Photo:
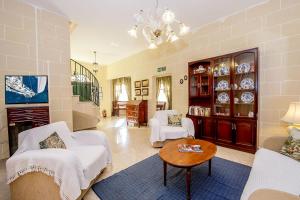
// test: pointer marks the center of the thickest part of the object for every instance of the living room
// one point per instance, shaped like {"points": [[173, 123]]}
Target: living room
{"points": [[222, 75]]}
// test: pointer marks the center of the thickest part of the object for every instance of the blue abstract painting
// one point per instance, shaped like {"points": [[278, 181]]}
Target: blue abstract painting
{"points": [[26, 89]]}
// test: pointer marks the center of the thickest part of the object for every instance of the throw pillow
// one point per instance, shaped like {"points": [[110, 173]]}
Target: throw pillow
{"points": [[291, 148], [174, 120], [53, 141]]}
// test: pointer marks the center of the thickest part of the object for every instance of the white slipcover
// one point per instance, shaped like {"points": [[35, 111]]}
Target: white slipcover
{"points": [[160, 131], [73, 168], [272, 170]]}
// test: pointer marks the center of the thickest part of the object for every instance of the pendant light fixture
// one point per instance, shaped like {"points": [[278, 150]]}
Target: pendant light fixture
{"points": [[95, 64], [158, 26]]}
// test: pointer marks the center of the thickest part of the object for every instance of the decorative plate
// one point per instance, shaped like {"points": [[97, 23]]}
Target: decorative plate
{"points": [[224, 70], [243, 68], [223, 97], [247, 97], [247, 83], [223, 85]]}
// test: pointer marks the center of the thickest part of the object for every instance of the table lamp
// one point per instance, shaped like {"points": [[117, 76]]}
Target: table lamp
{"points": [[292, 116]]}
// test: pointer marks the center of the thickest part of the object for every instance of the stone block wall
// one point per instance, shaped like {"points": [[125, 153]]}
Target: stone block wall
{"points": [[35, 41]]}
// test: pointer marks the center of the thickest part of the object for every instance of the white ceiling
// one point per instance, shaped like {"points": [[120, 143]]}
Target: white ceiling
{"points": [[102, 25]]}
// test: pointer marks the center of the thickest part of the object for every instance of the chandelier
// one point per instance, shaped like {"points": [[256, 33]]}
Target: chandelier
{"points": [[95, 64], [158, 26]]}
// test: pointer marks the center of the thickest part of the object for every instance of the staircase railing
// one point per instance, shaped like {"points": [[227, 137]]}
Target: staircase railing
{"points": [[84, 83]]}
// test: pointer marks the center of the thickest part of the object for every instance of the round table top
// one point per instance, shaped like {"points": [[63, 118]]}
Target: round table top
{"points": [[170, 154]]}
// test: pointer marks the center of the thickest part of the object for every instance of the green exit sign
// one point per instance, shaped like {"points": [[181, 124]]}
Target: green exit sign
{"points": [[161, 69]]}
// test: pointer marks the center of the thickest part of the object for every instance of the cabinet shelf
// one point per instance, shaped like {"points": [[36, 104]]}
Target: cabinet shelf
{"points": [[226, 75], [222, 104], [243, 116], [223, 90], [250, 104], [242, 90], [239, 74]]}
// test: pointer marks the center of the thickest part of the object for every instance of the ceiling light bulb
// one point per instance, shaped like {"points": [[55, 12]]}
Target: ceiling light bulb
{"points": [[168, 17], [184, 29], [133, 32], [174, 38], [152, 46]]}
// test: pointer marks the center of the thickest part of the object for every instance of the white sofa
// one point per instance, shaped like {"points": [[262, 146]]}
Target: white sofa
{"points": [[56, 173], [160, 131], [273, 176]]}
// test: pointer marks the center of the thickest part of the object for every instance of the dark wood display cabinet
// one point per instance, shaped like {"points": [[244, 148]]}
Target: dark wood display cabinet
{"points": [[223, 96]]}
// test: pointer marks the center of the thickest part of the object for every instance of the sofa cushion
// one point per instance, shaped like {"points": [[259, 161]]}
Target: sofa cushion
{"points": [[291, 148], [92, 157], [174, 120], [53, 141], [36, 135], [272, 170], [173, 132], [162, 116]]}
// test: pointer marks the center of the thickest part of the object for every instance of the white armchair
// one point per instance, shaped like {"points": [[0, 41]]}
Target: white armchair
{"points": [[57, 173], [160, 131]]}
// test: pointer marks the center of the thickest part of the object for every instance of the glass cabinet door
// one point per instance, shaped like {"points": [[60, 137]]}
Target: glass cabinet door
{"points": [[204, 85], [194, 85], [221, 86], [244, 85]]}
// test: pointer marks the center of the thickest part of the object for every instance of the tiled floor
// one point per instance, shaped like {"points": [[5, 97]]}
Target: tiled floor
{"points": [[129, 146]]}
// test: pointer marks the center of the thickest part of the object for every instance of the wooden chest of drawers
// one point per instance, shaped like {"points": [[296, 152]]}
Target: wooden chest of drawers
{"points": [[137, 112]]}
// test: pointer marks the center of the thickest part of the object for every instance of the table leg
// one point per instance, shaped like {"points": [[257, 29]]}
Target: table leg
{"points": [[188, 183], [209, 167], [165, 174]]}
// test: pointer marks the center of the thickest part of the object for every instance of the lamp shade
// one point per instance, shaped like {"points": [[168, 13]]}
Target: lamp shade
{"points": [[292, 116]]}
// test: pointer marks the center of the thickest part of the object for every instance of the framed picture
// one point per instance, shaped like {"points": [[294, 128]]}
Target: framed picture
{"points": [[137, 92], [137, 84], [145, 92], [25, 89], [145, 83]]}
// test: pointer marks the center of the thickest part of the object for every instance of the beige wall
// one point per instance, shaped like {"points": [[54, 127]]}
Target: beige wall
{"points": [[274, 27], [34, 41]]}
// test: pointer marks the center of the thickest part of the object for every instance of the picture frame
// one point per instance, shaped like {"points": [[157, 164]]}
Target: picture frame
{"points": [[137, 92], [137, 84], [36, 92], [145, 91], [145, 83]]}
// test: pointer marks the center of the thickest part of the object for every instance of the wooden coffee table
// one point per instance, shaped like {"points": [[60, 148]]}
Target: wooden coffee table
{"points": [[170, 155]]}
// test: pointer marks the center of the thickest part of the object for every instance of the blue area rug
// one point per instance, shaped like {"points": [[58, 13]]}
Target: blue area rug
{"points": [[144, 181]]}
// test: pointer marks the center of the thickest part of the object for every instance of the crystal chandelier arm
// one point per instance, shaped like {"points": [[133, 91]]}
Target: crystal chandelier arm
{"points": [[147, 33]]}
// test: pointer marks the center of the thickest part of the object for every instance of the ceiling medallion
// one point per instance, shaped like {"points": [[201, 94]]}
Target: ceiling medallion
{"points": [[158, 26]]}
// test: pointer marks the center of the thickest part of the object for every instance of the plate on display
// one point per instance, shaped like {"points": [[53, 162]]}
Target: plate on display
{"points": [[243, 68], [247, 97], [247, 83], [223, 97], [224, 70], [223, 85]]}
